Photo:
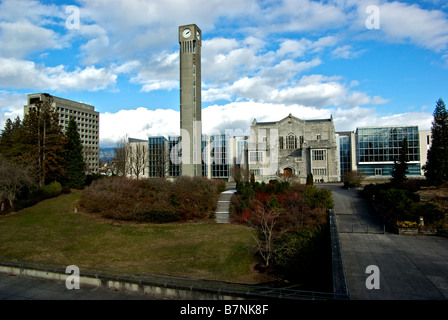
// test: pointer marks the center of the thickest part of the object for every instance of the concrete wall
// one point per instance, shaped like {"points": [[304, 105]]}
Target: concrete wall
{"points": [[140, 287]]}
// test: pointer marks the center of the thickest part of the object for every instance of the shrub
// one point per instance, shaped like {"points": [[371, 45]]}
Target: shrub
{"points": [[152, 200], [402, 204], [52, 190], [303, 256], [352, 179], [318, 198]]}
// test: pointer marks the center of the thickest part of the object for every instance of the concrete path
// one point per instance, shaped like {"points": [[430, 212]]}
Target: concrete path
{"points": [[410, 267], [222, 210]]}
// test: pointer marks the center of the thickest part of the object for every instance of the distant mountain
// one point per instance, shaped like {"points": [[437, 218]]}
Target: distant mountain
{"points": [[106, 154]]}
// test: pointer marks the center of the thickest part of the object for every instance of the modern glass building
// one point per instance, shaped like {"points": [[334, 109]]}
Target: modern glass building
{"points": [[174, 155], [216, 156], [345, 155], [378, 147], [164, 156], [219, 154], [157, 157]]}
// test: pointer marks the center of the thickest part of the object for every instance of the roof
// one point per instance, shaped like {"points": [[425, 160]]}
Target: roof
{"points": [[270, 123]]}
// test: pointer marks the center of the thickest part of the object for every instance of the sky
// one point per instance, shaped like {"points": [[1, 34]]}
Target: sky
{"points": [[366, 62]]}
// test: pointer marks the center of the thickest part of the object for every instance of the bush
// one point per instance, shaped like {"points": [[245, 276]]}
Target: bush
{"points": [[318, 198], [352, 179], [52, 190], [304, 257], [402, 204], [152, 200], [32, 196]]}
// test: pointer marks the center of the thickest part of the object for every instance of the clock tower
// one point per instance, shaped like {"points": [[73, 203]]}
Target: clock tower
{"points": [[190, 99]]}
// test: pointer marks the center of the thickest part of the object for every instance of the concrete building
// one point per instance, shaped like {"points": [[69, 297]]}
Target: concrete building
{"points": [[296, 147], [425, 144], [87, 119], [190, 99], [138, 164]]}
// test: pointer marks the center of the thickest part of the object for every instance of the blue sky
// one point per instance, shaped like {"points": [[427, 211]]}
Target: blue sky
{"points": [[260, 59]]}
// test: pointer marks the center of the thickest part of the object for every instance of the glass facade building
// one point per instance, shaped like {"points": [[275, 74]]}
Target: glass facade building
{"points": [[378, 147], [216, 156], [175, 156], [219, 154], [157, 157], [345, 154]]}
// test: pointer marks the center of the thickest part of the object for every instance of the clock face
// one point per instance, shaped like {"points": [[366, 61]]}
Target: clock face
{"points": [[186, 33], [198, 35]]}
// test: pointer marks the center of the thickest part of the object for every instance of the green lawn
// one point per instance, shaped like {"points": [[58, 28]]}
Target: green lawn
{"points": [[50, 231]]}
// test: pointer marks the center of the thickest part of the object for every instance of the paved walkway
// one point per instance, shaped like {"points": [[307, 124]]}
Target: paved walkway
{"points": [[410, 267]]}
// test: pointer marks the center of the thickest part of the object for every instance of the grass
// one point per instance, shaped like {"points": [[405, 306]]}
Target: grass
{"points": [[50, 231]]}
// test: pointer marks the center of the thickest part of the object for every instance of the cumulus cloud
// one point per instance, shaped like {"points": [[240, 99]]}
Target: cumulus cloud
{"points": [[427, 28], [235, 119], [21, 38], [139, 123], [16, 73]]}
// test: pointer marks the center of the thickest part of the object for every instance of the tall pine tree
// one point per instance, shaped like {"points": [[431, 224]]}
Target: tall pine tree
{"points": [[42, 136], [436, 167], [74, 160]]}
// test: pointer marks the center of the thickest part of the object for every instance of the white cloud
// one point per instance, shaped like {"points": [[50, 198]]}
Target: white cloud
{"points": [[139, 123], [236, 117], [159, 72], [304, 15], [26, 74], [31, 10], [427, 28], [345, 52], [21, 38]]}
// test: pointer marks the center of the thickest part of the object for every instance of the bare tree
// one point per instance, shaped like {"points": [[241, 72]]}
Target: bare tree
{"points": [[287, 177], [120, 156], [12, 179], [240, 174], [137, 160], [264, 220]]}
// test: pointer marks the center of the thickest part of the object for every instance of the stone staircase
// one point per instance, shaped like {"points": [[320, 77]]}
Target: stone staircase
{"points": [[222, 210]]}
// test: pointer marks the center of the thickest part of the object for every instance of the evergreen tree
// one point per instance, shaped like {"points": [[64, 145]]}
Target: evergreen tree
{"points": [[436, 167], [74, 160], [309, 179], [44, 141], [11, 145], [400, 169]]}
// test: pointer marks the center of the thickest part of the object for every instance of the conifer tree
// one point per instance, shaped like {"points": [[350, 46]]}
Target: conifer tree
{"points": [[11, 145], [436, 167], [44, 141], [74, 160]]}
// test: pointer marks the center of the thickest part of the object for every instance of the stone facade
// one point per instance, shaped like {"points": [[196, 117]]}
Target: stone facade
{"points": [[294, 147]]}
